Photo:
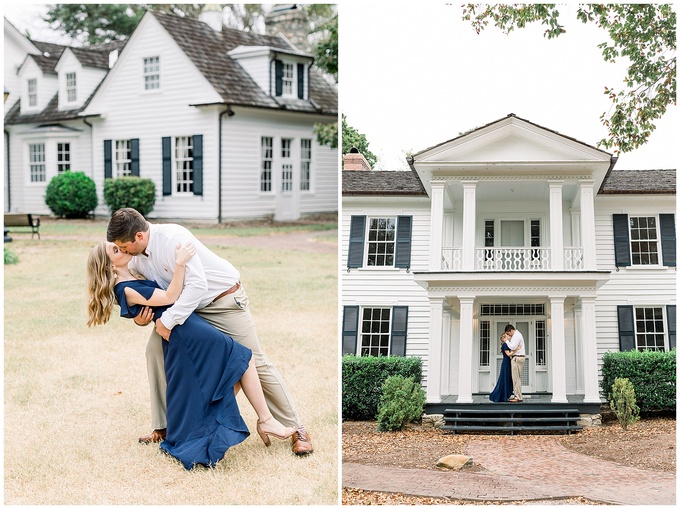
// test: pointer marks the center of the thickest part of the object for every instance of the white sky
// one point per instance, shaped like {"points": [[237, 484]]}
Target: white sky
{"points": [[415, 75]]}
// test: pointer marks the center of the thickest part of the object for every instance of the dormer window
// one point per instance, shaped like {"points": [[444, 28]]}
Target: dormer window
{"points": [[290, 79], [71, 92], [32, 92]]}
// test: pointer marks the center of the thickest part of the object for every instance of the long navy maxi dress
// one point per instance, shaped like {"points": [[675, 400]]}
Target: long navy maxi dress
{"points": [[202, 365], [503, 389]]}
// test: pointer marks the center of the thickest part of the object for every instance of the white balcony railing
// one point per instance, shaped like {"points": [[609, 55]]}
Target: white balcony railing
{"points": [[512, 259]]}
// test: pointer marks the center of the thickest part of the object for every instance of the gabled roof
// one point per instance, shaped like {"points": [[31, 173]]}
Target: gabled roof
{"points": [[384, 183], [51, 113], [639, 182], [208, 50], [51, 53]]}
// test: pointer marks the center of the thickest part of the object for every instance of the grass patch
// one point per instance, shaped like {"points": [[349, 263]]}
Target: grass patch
{"points": [[76, 399]]}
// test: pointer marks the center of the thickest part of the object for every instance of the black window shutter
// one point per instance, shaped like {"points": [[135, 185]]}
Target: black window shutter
{"points": [[198, 164], [399, 326], [670, 316], [301, 81], [402, 255], [621, 240], [626, 328], [350, 329], [355, 256], [167, 166], [134, 156], [108, 163], [278, 77], [667, 223]]}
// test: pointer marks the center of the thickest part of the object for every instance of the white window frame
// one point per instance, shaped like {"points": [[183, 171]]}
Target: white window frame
{"points": [[122, 158], [183, 165], [288, 80], [286, 165], [377, 242], [372, 334], [32, 92], [266, 164], [71, 87], [151, 72], [305, 164], [37, 165], [656, 241], [655, 331], [63, 156]]}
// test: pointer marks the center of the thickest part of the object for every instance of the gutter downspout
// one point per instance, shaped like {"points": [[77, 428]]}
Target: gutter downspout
{"points": [[219, 161], [91, 145], [9, 180]]}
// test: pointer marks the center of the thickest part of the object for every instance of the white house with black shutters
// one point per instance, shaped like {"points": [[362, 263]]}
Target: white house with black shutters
{"points": [[509, 223], [221, 120]]}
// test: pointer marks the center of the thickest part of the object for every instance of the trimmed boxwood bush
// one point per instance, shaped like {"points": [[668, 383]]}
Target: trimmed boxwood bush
{"points": [[401, 402], [71, 194], [133, 192], [362, 380], [652, 374]]}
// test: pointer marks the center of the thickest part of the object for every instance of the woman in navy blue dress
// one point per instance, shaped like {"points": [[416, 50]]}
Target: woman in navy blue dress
{"points": [[204, 367], [503, 389]]}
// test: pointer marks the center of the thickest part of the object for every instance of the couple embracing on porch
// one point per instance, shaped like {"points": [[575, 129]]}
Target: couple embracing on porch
{"points": [[509, 384]]}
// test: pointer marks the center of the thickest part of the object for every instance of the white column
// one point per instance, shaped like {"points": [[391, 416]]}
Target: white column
{"points": [[436, 224], [589, 350], [588, 224], [556, 228], [578, 348], [469, 217], [465, 351], [434, 357], [558, 368]]}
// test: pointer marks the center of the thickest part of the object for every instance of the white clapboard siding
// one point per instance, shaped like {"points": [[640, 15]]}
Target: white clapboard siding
{"points": [[87, 80], [47, 86]]}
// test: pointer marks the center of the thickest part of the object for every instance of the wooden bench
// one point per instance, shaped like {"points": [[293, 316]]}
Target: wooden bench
{"points": [[16, 220]]}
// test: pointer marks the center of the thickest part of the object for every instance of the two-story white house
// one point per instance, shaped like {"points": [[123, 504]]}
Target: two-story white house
{"points": [[221, 120], [509, 223]]}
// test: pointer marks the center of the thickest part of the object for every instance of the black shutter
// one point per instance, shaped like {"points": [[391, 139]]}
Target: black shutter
{"points": [[167, 166], [134, 156], [350, 329], [355, 256], [621, 240], [198, 164], [399, 326], [108, 163], [670, 317], [278, 77], [626, 328], [667, 224], [402, 255], [301, 81]]}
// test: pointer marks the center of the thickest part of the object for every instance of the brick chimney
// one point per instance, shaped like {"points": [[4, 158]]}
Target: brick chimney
{"points": [[211, 15], [292, 22], [355, 161]]}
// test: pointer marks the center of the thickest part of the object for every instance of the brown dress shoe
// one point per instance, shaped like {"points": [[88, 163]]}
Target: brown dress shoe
{"points": [[156, 436], [302, 442]]}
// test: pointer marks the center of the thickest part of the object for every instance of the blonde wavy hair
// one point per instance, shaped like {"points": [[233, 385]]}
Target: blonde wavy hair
{"points": [[100, 283]]}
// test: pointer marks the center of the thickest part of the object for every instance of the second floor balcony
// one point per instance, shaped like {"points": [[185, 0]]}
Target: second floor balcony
{"points": [[507, 259]]}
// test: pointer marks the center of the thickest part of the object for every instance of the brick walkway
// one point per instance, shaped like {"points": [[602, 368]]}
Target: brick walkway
{"points": [[517, 470]]}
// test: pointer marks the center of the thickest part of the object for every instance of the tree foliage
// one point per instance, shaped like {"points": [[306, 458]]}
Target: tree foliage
{"points": [[95, 23], [643, 33], [353, 138]]}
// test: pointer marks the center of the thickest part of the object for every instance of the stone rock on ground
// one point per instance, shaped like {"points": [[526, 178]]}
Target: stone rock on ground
{"points": [[454, 461]]}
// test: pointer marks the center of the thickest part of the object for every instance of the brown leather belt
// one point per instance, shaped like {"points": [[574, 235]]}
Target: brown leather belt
{"points": [[230, 291]]}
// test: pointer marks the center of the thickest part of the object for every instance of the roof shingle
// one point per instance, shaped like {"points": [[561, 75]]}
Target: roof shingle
{"points": [[639, 182], [381, 183]]}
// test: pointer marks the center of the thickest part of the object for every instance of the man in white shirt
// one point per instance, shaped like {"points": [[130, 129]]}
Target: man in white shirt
{"points": [[213, 289], [516, 344]]}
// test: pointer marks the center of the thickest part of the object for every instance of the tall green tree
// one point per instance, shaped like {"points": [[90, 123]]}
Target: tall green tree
{"points": [[353, 138], [644, 33], [95, 23]]}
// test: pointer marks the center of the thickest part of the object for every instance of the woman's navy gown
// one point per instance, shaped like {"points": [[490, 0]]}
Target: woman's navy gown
{"points": [[503, 389], [202, 364]]}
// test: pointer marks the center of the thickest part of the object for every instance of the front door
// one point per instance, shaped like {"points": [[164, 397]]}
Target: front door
{"points": [[288, 192]]}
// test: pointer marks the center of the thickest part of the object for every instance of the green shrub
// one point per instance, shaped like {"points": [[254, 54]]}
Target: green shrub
{"points": [[653, 375], [401, 402], [134, 192], [10, 257], [71, 194], [622, 402], [362, 379]]}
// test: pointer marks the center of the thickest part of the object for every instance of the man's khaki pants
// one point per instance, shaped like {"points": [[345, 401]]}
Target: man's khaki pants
{"points": [[231, 315], [516, 364]]}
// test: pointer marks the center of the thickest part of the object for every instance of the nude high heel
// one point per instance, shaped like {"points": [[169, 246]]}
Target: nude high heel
{"points": [[264, 435]]}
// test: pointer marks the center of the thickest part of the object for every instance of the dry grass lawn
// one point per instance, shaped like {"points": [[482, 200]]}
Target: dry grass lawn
{"points": [[77, 399]]}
